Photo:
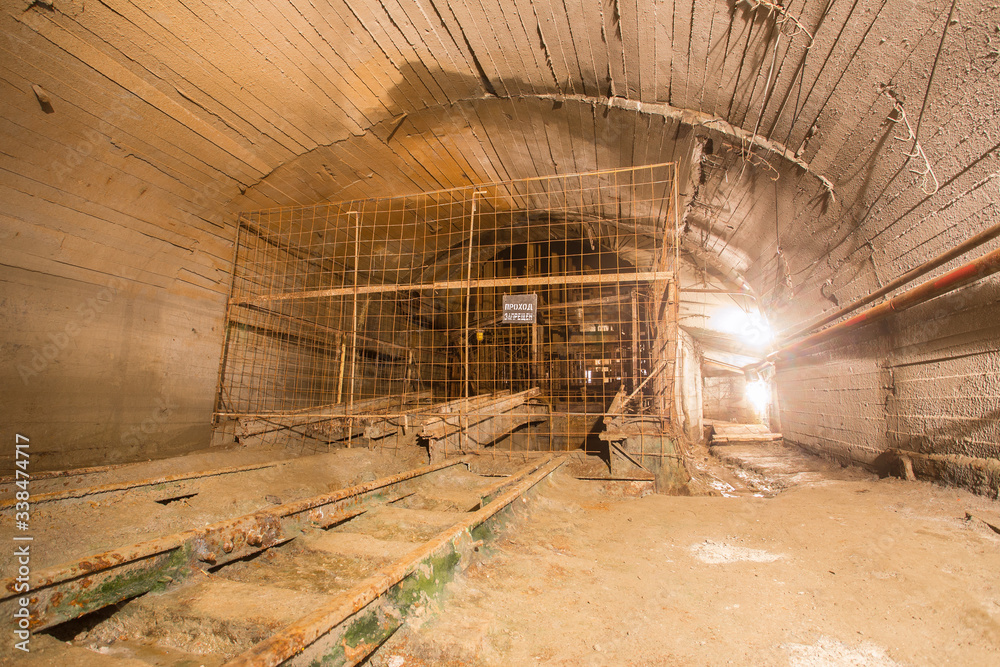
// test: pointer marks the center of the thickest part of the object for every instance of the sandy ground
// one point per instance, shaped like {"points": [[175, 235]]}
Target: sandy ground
{"points": [[790, 561], [799, 563]]}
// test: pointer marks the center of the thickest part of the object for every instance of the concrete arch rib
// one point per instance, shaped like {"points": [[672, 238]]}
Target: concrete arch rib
{"points": [[462, 115]]}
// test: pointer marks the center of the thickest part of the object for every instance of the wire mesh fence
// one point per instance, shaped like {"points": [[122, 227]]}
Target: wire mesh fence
{"points": [[522, 315]]}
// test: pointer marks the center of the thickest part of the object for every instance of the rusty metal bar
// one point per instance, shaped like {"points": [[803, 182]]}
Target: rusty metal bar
{"points": [[595, 279], [908, 277], [122, 486], [387, 425], [985, 266], [373, 407], [490, 492], [440, 430], [67, 591], [74, 472], [300, 635], [439, 426]]}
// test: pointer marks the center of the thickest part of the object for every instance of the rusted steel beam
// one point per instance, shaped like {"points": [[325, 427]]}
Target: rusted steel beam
{"points": [[443, 425], [489, 493], [464, 404], [484, 424], [321, 637], [70, 590], [413, 419], [391, 424], [253, 424], [111, 488], [966, 274], [595, 279], [970, 244]]}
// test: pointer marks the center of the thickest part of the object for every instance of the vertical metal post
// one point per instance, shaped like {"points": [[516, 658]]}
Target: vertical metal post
{"points": [[635, 339], [224, 357], [468, 291], [340, 375], [354, 316]]}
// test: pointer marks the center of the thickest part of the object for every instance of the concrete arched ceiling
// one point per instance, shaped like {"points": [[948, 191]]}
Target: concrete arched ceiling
{"points": [[824, 146], [787, 123], [293, 103]]}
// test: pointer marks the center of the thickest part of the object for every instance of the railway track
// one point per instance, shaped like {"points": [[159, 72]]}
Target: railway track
{"points": [[323, 580]]}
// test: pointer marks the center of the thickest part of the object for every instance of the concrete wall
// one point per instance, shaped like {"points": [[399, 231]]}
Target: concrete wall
{"points": [[924, 382], [114, 270], [725, 399], [688, 384]]}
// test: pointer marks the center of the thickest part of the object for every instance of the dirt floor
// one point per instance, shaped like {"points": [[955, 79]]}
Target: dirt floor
{"points": [[787, 560], [795, 562]]}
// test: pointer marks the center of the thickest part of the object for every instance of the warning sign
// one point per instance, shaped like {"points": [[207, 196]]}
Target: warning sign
{"points": [[519, 308]]}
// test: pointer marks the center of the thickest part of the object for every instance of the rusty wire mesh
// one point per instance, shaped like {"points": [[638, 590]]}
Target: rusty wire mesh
{"points": [[381, 321]]}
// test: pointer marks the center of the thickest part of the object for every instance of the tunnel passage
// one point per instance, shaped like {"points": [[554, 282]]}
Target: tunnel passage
{"points": [[538, 314]]}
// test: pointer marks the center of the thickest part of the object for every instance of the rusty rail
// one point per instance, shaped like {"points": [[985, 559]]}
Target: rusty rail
{"points": [[908, 277], [123, 486], [298, 640], [67, 591]]}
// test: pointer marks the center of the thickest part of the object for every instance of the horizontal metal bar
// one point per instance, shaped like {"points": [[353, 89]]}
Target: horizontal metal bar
{"points": [[110, 488], [374, 407], [908, 277], [977, 269], [586, 279], [482, 186], [299, 321]]}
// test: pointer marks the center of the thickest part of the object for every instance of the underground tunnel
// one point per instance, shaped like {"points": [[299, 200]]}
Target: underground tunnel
{"points": [[410, 332]]}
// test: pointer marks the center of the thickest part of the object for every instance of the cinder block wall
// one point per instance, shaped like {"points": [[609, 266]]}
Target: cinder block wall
{"points": [[924, 382]]}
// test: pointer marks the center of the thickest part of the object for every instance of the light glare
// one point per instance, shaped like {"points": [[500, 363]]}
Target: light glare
{"points": [[759, 395]]}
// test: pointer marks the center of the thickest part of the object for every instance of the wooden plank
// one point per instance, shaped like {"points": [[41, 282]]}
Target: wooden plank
{"points": [[619, 43], [680, 47], [533, 71], [321, 63], [167, 51], [92, 135], [555, 25], [275, 67], [136, 252], [699, 51], [640, 20], [548, 59], [585, 21], [102, 106]]}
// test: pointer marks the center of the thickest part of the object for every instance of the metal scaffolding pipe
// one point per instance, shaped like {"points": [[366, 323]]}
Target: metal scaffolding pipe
{"points": [[909, 276], [984, 266]]}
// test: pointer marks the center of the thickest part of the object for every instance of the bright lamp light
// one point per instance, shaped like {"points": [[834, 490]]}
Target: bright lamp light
{"points": [[759, 395], [751, 328]]}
